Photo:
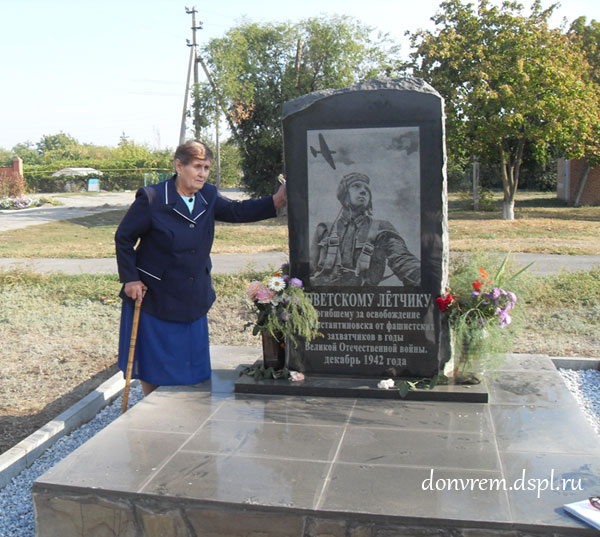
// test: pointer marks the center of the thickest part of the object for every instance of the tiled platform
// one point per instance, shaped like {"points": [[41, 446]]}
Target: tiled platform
{"points": [[202, 461]]}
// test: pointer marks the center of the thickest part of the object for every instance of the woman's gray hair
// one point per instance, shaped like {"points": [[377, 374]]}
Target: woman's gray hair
{"points": [[192, 149]]}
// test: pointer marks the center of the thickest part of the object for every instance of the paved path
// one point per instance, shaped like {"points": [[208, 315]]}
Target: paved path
{"points": [[75, 205], [544, 264]]}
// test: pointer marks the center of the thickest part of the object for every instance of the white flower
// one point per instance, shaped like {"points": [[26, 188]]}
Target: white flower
{"points": [[277, 283], [296, 376], [386, 384]]}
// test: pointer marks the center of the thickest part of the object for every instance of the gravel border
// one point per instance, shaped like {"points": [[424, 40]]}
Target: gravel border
{"points": [[16, 505], [584, 384]]}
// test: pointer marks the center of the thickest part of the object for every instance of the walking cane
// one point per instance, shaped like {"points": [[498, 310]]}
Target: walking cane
{"points": [[134, 329]]}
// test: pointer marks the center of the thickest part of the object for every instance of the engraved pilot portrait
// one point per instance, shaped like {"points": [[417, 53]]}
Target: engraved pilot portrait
{"points": [[364, 207]]}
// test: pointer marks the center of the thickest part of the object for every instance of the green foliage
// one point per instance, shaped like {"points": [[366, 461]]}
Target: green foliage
{"points": [[283, 309], [231, 161], [59, 145], [508, 81], [541, 177], [486, 199], [6, 157], [404, 387], [484, 325], [568, 290], [41, 179], [258, 371], [231, 165], [458, 175], [258, 67], [122, 168], [27, 152], [587, 37]]}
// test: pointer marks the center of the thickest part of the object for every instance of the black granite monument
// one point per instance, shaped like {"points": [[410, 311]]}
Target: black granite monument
{"points": [[367, 219]]}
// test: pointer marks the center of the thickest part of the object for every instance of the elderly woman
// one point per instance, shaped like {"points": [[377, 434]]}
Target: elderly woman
{"points": [[169, 269]]}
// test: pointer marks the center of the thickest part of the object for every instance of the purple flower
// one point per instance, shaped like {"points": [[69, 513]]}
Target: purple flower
{"points": [[512, 297], [295, 282], [474, 294], [496, 293], [284, 315], [504, 317]]}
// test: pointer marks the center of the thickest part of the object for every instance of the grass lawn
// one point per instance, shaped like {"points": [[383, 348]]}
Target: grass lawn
{"points": [[542, 224], [92, 236]]}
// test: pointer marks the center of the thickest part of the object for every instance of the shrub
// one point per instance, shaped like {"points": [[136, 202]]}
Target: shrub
{"points": [[457, 177], [486, 199], [111, 180], [11, 185], [544, 181]]}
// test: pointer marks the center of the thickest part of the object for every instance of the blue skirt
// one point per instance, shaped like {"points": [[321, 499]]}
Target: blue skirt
{"points": [[166, 353]]}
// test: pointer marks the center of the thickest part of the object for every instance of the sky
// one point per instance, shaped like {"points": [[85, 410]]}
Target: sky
{"points": [[98, 69]]}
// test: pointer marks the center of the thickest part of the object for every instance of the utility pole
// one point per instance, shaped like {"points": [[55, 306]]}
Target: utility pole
{"points": [[193, 61], [194, 43], [197, 59], [185, 100]]}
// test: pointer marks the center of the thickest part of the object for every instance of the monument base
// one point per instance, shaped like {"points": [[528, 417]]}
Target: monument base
{"points": [[324, 386], [199, 461]]}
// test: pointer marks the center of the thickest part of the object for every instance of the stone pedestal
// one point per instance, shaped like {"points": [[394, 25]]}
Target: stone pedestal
{"points": [[203, 462]]}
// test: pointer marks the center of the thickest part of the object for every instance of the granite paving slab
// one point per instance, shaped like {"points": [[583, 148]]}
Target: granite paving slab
{"points": [[201, 460]]}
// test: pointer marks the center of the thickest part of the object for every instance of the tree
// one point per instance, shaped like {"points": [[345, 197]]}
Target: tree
{"points": [[587, 36], [60, 145], [6, 157], [509, 81], [27, 151], [258, 67]]}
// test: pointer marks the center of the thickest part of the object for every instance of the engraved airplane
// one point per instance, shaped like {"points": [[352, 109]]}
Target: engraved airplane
{"points": [[325, 151]]}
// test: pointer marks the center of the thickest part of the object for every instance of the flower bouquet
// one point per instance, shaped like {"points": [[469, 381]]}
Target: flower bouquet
{"points": [[283, 310], [479, 313]]}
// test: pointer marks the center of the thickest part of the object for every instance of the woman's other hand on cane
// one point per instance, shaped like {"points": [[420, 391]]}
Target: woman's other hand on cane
{"points": [[135, 290]]}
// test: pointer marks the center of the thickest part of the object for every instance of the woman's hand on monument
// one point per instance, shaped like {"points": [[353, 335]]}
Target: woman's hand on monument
{"points": [[280, 197]]}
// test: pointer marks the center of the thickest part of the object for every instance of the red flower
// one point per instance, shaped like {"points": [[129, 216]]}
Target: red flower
{"points": [[443, 303], [477, 285]]}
